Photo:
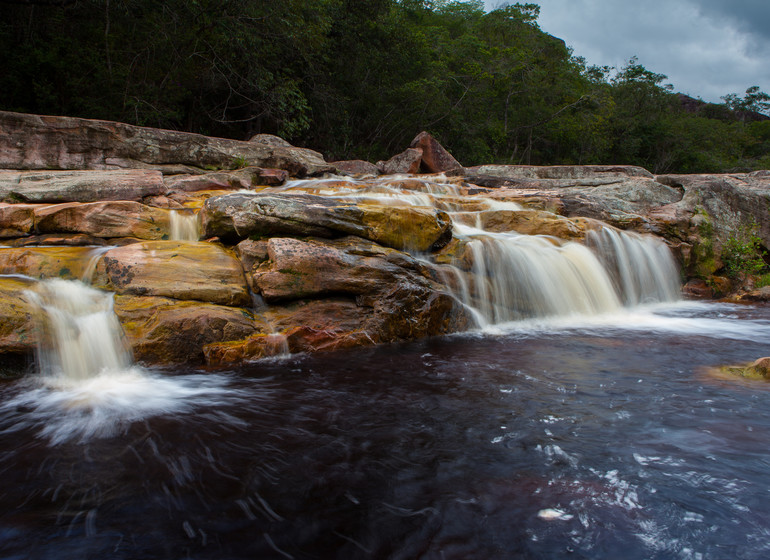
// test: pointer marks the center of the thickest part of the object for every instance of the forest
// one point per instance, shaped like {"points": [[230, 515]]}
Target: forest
{"points": [[358, 79]]}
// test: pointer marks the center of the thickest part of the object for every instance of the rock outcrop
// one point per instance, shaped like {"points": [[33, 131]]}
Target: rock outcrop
{"points": [[39, 142], [321, 264]]}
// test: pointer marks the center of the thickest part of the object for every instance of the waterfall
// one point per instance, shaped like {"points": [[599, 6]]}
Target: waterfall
{"points": [[79, 334], [641, 267], [508, 277], [183, 226]]}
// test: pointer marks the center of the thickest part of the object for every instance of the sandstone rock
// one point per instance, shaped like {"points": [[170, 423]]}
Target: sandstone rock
{"points": [[48, 262], [246, 178], [759, 294], [241, 215], [16, 220], [179, 270], [407, 161], [435, 158], [759, 369], [356, 167], [257, 346], [270, 140], [17, 329], [79, 186], [162, 330], [311, 269], [527, 222], [104, 219], [568, 172], [697, 288], [42, 142]]}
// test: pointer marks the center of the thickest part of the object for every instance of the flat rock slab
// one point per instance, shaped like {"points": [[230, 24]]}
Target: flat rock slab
{"points": [[240, 215], [48, 262], [44, 142], [180, 270], [104, 220], [79, 186]]}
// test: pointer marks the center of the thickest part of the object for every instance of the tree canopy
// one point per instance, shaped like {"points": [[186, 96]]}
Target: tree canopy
{"points": [[359, 78]]}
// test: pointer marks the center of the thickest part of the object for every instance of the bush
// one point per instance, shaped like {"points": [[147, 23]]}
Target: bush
{"points": [[742, 253]]}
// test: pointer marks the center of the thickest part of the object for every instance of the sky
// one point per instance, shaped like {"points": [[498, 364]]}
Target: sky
{"points": [[707, 48]]}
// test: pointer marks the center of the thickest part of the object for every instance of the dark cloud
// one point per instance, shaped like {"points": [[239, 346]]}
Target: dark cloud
{"points": [[707, 48]]}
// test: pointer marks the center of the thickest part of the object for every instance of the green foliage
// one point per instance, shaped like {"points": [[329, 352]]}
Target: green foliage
{"points": [[360, 78], [742, 252]]}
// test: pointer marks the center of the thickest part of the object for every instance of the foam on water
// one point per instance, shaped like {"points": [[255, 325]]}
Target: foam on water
{"points": [[63, 410]]}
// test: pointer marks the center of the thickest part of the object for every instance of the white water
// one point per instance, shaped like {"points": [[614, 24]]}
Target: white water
{"points": [[183, 226], [88, 385]]}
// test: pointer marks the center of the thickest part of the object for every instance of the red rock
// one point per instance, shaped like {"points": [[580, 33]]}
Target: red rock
{"points": [[435, 158]]}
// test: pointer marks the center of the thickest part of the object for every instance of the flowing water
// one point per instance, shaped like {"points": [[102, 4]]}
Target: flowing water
{"points": [[601, 439], [580, 420], [183, 226]]}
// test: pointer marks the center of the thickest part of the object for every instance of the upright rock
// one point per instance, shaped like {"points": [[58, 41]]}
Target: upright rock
{"points": [[435, 158]]}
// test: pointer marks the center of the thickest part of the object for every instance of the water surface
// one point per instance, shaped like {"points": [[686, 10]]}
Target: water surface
{"points": [[601, 438]]}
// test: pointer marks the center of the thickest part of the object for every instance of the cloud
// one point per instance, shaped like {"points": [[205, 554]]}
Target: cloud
{"points": [[707, 48]]}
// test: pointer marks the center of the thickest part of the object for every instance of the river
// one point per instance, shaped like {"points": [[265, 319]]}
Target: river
{"points": [[601, 438]]}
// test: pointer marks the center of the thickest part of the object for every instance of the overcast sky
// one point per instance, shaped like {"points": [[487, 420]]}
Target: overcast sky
{"points": [[707, 48]]}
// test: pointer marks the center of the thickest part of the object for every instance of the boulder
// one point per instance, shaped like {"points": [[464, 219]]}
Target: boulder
{"points": [[317, 268], [104, 219], [270, 140], [17, 328], [43, 142], [162, 330], [435, 158], [79, 186], [356, 167], [16, 220], [407, 161], [179, 270], [261, 345], [239, 215]]}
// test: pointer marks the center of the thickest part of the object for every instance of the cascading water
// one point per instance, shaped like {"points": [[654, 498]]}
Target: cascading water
{"points": [[183, 226], [87, 385], [79, 334]]}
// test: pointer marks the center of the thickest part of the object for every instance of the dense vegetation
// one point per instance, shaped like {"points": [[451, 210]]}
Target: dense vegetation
{"points": [[359, 78]]}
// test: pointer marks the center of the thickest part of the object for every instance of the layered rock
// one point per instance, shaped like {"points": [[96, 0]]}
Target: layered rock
{"points": [[40, 142], [17, 332], [79, 186], [104, 219], [180, 270], [237, 216], [434, 157]]}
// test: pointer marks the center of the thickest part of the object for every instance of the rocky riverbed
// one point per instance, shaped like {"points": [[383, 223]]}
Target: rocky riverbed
{"points": [[293, 253]]}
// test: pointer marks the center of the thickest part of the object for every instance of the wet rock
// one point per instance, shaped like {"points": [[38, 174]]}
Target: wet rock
{"points": [[236, 216], [435, 158], [757, 295], [104, 219], [568, 172], [47, 262], [163, 330], [79, 186], [261, 345], [179, 270], [759, 369], [43, 142], [17, 328], [528, 222], [407, 161]]}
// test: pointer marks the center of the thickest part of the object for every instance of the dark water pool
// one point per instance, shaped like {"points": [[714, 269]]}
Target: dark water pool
{"points": [[602, 440]]}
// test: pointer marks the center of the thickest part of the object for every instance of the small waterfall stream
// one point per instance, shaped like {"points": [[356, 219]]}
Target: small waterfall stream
{"points": [[183, 226], [79, 334]]}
